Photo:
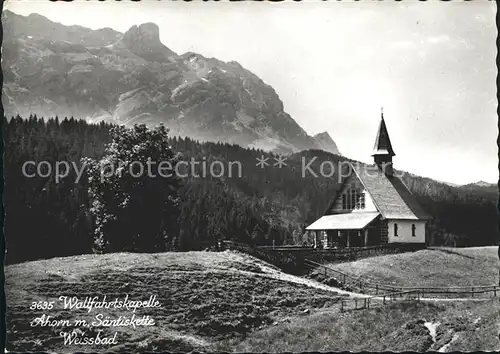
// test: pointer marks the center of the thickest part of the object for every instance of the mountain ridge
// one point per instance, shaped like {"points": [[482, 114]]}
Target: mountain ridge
{"points": [[480, 184], [132, 77], [326, 143]]}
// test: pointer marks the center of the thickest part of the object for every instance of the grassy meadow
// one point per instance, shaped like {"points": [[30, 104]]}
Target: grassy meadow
{"points": [[229, 301], [400, 326], [437, 267], [206, 297]]}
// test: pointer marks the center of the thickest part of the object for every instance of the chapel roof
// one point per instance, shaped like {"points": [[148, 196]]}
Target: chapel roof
{"points": [[390, 195]]}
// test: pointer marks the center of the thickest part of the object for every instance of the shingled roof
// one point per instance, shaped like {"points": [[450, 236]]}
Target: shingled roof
{"points": [[383, 144], [390, 195]]}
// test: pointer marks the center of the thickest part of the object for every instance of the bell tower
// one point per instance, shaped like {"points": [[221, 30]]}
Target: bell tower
{"points": [[382, 151]]}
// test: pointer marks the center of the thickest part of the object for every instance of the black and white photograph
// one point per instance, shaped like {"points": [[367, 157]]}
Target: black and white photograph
{"points": [[250, 176]]}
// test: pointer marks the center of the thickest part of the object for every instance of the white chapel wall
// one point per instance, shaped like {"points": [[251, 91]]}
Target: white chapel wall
{"points": [[405, 231]]}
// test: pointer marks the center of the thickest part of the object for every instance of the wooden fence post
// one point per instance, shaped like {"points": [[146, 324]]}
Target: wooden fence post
{"points": [[356, 304], [368, 302], [495, 290], [384, 299], [344, 279], [342, 306], [364, 305], [376, 289], [472, 292]]}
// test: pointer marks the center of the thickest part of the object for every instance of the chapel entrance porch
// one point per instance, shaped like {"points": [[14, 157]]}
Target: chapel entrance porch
{"points": [[340, 239], [346, 230]]}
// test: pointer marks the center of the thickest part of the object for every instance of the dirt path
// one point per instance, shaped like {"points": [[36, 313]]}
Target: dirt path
{"points": [[314, 284], [278, 275]]}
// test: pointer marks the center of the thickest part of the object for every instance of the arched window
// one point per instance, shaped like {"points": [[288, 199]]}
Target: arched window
{"points": [[413, 230], [395, 229]]}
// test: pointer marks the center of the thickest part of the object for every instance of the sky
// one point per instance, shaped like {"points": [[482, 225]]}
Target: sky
{"points": [[430, 65]]}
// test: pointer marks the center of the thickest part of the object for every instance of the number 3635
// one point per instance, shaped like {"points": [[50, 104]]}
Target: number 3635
{"points": [[42, 305]]}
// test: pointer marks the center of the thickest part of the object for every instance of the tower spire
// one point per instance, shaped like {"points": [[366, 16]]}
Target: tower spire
{"points": [[382, 150]]}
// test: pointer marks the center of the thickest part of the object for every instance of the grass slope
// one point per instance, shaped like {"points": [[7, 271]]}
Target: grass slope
{"points": [[432, 267], [206, 298], [229, 301], [397, 327]]}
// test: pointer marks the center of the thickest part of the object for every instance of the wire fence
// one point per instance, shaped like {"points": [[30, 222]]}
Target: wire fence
{"points": [[378, 289], [361, 285], [366, 302]]}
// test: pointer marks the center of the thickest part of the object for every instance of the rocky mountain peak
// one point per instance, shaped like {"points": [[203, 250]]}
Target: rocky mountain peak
{"points": [[144, 41], [325, 142], [323, 135], [51, 69], [147, 32]]}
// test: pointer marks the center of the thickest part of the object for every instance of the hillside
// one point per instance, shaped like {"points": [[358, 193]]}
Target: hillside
{"points": [[482, 184], [232, 302], [397, 327], [439, 267], [261, 206], [431, 325], [126, 78], [205, 298]]}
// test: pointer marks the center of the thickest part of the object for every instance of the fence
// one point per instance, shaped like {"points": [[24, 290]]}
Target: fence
{"points": [[359, 284], [293, 259], [366, 302], [342, 254]]}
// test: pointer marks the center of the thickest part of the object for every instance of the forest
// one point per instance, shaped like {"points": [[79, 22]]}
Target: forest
{"points": [[46, 218]]}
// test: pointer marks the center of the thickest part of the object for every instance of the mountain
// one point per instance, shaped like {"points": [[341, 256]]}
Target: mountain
{"points": [[326, 143], [480, 185], [484, 184], [104, 75], [39, 27], [448, 183]]}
